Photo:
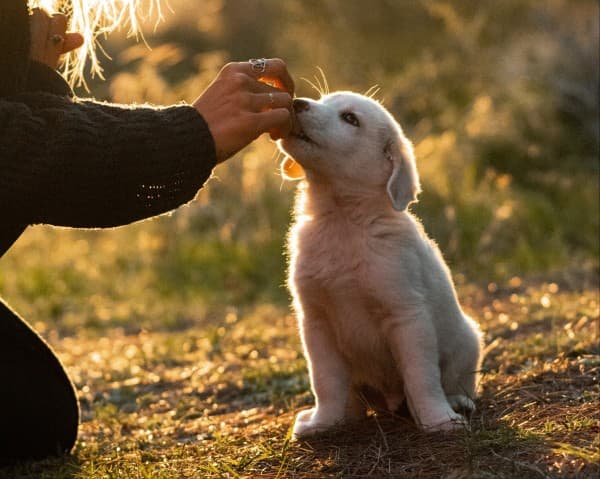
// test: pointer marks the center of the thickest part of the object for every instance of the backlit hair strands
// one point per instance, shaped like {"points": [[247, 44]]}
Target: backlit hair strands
{"points": [[95, 18]]}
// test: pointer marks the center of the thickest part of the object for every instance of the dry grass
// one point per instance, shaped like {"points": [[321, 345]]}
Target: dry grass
{"points": [[218, 401], [176, 383]]}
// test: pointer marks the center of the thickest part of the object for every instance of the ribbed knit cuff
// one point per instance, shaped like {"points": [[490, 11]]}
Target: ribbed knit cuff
{"points": [[188, 160]]}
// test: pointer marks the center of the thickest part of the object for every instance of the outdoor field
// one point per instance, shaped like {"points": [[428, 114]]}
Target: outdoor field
{"points": [[177, 331]]}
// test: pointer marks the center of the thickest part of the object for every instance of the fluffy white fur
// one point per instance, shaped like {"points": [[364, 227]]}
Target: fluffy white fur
{"points": [[374, 299]]}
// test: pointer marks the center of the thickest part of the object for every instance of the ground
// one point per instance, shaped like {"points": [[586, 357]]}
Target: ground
{"points": [[218, 400]]}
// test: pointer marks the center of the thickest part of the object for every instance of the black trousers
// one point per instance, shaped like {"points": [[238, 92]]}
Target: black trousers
{"points": [[39, 412]]}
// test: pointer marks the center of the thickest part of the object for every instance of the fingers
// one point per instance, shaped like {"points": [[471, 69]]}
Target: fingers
{"points": [[39, 28], [238, 108], [270, 101], [72, 42], [278, 122], [276, 71], [49, 37], [58, 24], [273, 73], [56, 39]]}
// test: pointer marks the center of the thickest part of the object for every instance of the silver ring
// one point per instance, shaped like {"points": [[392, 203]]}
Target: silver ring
{"points": [[56, 39], [258, 64]]}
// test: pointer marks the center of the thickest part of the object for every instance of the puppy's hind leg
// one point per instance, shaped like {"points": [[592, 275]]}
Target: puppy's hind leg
{"points": [[460, 372], [330, 381]]}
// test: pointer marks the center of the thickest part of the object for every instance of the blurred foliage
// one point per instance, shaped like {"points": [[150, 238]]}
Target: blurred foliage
{"points": [[499, 98]]}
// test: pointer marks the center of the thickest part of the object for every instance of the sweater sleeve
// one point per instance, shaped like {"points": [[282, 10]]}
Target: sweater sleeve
{"points": [[86, 164]]}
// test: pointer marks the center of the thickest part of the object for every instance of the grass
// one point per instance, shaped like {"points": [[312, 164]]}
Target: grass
{"points": [[171, 388], [177, 332]]}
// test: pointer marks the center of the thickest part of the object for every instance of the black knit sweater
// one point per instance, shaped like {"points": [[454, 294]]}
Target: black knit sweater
{"points": [[71, 162]]}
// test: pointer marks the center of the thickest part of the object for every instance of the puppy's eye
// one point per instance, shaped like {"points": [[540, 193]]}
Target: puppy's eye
{"points": [[350, 117]]}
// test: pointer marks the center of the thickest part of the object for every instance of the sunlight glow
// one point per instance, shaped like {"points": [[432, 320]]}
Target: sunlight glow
{"points": [[95, 18]]}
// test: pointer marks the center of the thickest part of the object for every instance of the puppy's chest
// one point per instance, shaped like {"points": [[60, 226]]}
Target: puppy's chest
{"points": [[332, 254], [336, 268]]}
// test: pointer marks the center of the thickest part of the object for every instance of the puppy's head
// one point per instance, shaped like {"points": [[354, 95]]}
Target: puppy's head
{"points": [[351, 139]]}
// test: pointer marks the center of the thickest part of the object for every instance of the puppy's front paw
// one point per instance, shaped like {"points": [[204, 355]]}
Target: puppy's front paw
{"points": [[308, 423], [444, 419], [461, 403], [303, 426], [455, 422]]}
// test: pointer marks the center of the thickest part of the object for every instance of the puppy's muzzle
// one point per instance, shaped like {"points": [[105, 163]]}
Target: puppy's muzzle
{"points": [[300, 105]]}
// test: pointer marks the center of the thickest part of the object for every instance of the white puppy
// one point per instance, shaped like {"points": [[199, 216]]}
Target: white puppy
{"points": [[375, 301]]}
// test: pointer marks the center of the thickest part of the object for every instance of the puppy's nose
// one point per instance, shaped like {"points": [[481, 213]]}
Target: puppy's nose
{"points": [[300, 105]]}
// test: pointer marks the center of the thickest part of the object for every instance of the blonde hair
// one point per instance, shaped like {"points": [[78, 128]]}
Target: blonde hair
{"points": [[95, 18]]}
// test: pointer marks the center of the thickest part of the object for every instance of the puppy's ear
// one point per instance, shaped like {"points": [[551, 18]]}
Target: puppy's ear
{"points": [[291, 170], [403, 185]]}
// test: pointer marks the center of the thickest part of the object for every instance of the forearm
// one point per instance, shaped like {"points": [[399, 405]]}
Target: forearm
{"points": [[81, 163]]}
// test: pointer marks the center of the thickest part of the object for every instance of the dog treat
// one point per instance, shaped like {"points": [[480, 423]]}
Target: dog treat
{"points": [[271, 81]]}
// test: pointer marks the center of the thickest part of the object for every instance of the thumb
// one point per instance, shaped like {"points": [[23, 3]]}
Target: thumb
{"points": [[72, 42], [278, 122]]}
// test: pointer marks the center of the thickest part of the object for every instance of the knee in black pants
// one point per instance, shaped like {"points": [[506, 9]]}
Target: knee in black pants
{"points": [[39, 413]]}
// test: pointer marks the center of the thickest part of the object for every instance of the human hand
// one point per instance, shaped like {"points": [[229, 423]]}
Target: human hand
{"points": [[49, 37], [242, 103]]}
